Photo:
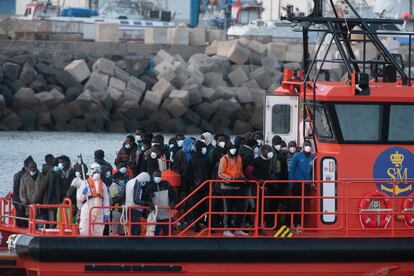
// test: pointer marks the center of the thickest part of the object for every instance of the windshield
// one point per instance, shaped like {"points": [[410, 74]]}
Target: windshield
{"points": [[372, 123]]}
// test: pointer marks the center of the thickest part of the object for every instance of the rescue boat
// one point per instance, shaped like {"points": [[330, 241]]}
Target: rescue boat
{"points": [[357, 218]]}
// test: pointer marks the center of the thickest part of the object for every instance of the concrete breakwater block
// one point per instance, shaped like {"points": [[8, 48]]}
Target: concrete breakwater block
{"points": [[106, 32]]}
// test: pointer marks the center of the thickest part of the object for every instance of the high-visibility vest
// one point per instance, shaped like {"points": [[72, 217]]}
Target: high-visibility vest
{"points": [[94, 192]]}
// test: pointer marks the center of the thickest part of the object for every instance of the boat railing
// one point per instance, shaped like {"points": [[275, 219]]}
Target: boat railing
{"points": [[61, 224], [346, 211]]}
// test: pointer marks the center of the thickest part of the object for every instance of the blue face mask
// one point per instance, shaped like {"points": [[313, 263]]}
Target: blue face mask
{"points": [[56, 169], [123, 170], [157, 179], [122, 182]]}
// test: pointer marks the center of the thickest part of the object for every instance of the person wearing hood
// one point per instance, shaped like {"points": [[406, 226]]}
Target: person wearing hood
{"points": [[200, 167], [20, 210], [136, 195], [231, 168], [161, 194], [27, 187], [127, 154], [258, 136], [93, 193], [73, 190], [181, 165], [207, 138], [300, 170]]}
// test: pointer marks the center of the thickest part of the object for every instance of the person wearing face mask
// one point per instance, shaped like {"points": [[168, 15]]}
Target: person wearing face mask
{"points": [[181, 165], [217, 153], [161, 194], [73, 190], [279, 171], [258, 136], [117, 197], [93, 193], [27, 187], [155, 161], [67, 172], [207, 138], [300, 170], [44, 179], [292, 147], [20, 210], [247, 154], [200, 167], [54, 191], [139, 136], [231, 168], [136, 195], [127, 154], [99, 158], [143, 154]]}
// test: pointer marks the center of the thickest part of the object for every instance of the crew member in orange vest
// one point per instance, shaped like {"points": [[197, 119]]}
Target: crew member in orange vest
{"points": [[93, 193]]}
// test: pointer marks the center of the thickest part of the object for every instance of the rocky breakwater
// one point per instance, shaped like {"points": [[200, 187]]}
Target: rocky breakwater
{"points": [[220, 90]]}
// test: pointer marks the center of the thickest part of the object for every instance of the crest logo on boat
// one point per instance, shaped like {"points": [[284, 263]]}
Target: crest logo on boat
{"points": [[397, 165]]}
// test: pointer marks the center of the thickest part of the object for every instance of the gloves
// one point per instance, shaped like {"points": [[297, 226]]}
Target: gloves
{"points": [[85, 190], [106, 218]]}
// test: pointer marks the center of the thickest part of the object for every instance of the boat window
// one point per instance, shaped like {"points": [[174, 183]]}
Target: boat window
{"points": [[137, 23], [323, 127], [401, 126], [28, 12], [124, 22], [281, 119], [148, 23], [359, 122]]}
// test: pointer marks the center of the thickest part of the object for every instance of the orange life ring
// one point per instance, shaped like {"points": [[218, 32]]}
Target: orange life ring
{"points": [[370, 220], [409, 216]]}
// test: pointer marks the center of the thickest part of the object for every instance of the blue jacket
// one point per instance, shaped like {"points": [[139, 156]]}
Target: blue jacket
{"points": [[301, 167]]}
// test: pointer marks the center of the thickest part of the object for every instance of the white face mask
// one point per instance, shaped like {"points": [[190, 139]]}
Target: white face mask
{"points": [[292, 149], [270, 155], [108, 174], [233, 151], [278, 147], [202, 140], [171, 146], [96, 176], [157, 179], [127, 146], [153, 144], [142, 148], [77, 174], [60, 166], [32, 173], [138, 138], [222, 144], [153, 155], [204, 151], [307, 149], [123, 170], [180, 143], [259, 142]]}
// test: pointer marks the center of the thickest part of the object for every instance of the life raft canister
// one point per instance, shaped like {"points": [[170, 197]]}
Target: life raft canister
{"points": [[375, 219], [408, 209]]}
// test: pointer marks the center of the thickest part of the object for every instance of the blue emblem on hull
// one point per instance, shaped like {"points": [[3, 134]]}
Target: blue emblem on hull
{"points": [[395, 164]]}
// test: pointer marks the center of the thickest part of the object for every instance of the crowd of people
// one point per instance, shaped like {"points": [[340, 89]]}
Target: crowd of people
{"points": [[136, 179]]}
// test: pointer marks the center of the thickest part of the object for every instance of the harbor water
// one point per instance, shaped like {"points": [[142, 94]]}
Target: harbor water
{"points": [[16, 146]]}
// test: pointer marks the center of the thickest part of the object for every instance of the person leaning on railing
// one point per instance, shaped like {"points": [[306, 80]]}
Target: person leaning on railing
{"points": [[231, 168]]}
